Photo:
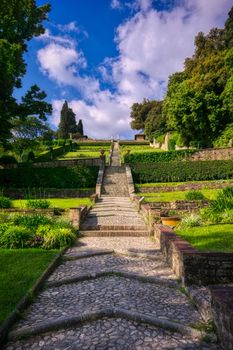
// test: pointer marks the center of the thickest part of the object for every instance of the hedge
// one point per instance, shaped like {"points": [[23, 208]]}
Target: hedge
{"points": [[97, 144], [57, 151], [62, 177], [182, 171], [134, 143], [156, 157]]}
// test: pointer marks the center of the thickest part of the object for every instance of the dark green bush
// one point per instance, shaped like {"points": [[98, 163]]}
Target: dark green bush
{"points": [[53, 153], [28, 156], [134, 143], [5, 202], [62, 177], [182, 171], [156, 157], [38, 204], [194, 195], [5, 159], [224, 200], [16, 237]]}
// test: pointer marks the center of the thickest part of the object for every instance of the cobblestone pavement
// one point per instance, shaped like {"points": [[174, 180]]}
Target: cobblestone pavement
{"points": [[111, 334], [67, 300]]}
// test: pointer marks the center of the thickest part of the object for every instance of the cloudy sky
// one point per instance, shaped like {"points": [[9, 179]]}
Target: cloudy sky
{"points": [[104, 55]]}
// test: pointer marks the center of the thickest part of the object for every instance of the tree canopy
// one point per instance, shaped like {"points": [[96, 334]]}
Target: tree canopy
{"points": [[67, 123], [20, 21]]}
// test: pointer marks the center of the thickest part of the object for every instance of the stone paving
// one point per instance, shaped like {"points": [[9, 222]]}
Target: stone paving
{"points": [[111, 293]]}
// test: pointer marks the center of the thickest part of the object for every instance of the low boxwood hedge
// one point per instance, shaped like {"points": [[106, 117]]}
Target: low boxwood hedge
{"points": [[182, 171], [62, 177], [155, 157], [55, 152]]}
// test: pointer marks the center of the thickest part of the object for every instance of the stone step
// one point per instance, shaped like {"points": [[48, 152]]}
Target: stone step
{"points": [[114, 233], [113, 227]]}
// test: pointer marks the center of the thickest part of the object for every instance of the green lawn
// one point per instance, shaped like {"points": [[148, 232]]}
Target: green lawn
{"points": [[174, 184], [212, 238], [63, 203], [19, 270], [80, 154], [175, 195]]}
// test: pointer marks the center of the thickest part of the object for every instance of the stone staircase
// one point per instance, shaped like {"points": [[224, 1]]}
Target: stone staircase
{"points": [[114, 217], [115, 182]]}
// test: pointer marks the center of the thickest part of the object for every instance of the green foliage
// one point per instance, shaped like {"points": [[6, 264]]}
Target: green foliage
{"points": [[139, 113], [226, 137], [194, 195], [38, 204], [58, 238], [27, 156], [20, 21], [63, 177], [191, 220], [79, 129], [5, 202], [15, 237], [6, 159], [52, 153], [224, 200], [68, 123], [182, 171], [156, 157], [155, 124]]}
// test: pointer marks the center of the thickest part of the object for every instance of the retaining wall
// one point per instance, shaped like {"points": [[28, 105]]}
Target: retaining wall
{"points": [[20, 193], [192, 266], [213, 154]]}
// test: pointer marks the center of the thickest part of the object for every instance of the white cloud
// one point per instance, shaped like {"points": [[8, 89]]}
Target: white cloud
{"points": [[116, 4], [151, 45]]}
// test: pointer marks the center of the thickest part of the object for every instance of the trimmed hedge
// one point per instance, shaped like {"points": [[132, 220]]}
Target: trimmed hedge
{"points": [[134, 143], [156, 157], [47, 156], [95, 144], [62, 177], [182, 171], [6, 159]]}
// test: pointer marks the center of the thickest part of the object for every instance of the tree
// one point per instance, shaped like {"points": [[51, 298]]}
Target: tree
{"points": [[155, 124], [198, 103], [20, 21], [80, 128], [26, 133], [67, 123], [139, 113]]}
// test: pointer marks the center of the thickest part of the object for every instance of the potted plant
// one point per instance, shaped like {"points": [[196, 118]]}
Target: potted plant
{"points": [[170, 220]]}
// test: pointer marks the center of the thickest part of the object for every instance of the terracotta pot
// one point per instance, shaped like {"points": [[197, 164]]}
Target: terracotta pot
{"points": [[171, 221]]}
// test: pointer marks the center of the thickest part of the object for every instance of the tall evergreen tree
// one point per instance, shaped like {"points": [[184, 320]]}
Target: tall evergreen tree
{"points": [[68, 122], [80, 127]]}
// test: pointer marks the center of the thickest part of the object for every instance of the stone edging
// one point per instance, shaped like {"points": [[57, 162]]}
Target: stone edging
{"points": [[129, 178], [110, 312], [26, 300], [113, 272], [189, 264], [99, 181]]}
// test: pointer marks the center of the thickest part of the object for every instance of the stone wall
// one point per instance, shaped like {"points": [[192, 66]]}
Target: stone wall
{"points": [[192, 266], [129, 179], [180, 205], [185, 187], [49, 212], [78, 215], [213, 154], [222, 310], [20, 193]]}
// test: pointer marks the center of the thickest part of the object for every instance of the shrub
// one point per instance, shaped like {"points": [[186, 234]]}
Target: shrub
{"points": [[191, 220], [38, 204], [223, 201], [28, 156], [6, 159], [58, 238], [156, 157], [3, 227], [182, 171], [194, 195], [16, 237], [5, 202], [32, 221], [61, 177]]}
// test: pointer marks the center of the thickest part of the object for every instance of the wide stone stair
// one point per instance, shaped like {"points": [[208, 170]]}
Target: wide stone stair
{"points": [[114, 216]]}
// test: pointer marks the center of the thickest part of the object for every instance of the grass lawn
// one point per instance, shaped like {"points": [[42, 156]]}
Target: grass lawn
{"points": [[80, 154], [175, 195], [63, 203], [174, 184], [19, 270], [213, 238]]}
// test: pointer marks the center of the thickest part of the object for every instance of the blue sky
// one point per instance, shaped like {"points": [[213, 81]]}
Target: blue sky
{"points": [[104, 55]]}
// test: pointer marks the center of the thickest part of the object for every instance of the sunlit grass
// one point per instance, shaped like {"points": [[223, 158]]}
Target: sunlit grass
{"points": [[209, 238], [175, 195], [63, 203]]}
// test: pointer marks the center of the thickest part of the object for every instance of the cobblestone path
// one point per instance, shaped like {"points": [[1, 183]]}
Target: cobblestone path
{"points": [[110, 293], [112, 290]]}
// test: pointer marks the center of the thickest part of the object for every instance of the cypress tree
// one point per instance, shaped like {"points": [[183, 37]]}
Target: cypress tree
{"points": [[80, 127], [67, 123]]}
